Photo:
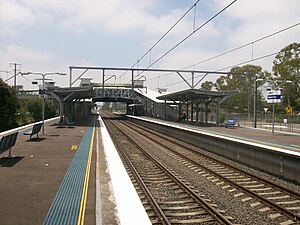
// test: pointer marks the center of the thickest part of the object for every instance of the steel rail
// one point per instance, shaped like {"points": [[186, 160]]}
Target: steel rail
{"points": [[213, 212], [160, 214], [284, 211], [284, 189]]}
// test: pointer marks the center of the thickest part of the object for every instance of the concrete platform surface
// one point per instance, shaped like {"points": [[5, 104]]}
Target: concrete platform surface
{"points": [[283, 140], [29, 181], [70, 175]]}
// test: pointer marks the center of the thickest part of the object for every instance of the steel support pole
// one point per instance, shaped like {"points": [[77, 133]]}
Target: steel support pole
{"points": [[43, 106], [165, 110], [103, 75], [254, 103], [70, 77], [15, 77], [197, 112], [192, 111], [132, 84], [187, 111], [193, 80], [206, 113], [273, 118]]}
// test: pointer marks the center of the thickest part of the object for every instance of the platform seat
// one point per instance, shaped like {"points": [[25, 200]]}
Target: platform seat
{"points": [[230, 122], [35, 130], [7, 142]]}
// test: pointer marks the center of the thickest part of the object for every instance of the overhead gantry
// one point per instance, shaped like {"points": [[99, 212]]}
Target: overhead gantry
{"points": [[190, 77]]}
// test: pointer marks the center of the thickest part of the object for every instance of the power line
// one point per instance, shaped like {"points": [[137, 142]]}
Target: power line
{"points": [[4, 71], [183, 40], [238, 48], [244, 45], [228, 67], [165, 34]]}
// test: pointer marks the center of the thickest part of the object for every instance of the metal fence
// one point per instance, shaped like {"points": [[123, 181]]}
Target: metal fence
{"points": [[282, 122]]}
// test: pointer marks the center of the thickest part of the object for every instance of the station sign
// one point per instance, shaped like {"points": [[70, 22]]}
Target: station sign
{"points": [[274, 96]]}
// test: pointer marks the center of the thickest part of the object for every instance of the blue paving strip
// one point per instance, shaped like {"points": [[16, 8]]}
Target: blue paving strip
{"points": [[66, 204], [23, 131]]}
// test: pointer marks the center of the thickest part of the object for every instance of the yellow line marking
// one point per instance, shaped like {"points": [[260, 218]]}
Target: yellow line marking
{"points": [[74, 147], [86, 183]]}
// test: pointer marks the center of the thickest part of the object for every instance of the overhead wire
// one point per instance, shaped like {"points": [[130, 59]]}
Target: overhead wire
{"points": [[4, 71], [188, 36], [160, 39], [228, 67], [237, 48], [244, 45]]}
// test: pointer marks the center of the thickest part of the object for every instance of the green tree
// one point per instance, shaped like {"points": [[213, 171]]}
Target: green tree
{"points": [[242, 79], [220, 84], [9, 105], [286, 66], [50, 110], [207, 85], [34, 108]]}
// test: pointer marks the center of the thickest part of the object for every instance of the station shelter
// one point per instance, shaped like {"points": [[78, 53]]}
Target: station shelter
{"points": [[75, 103], [195, 105]]}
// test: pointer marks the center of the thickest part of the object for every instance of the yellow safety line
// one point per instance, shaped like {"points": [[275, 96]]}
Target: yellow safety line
{"points": [[74, 147], [86, 184]]}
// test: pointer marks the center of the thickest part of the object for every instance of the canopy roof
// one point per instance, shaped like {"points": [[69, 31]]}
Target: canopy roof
{"points": [[71, 93], [196, 94]]}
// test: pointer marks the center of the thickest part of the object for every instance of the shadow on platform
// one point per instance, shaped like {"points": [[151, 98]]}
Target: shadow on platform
{"points": [[36, 139], [10, 162]]}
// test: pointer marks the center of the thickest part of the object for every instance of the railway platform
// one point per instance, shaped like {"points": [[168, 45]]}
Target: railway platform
{"points": [[70, 175], [73, 174], [284, 140], [277, 154]]}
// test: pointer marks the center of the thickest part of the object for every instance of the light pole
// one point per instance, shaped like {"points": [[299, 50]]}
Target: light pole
{"points": [[255, 101], [43, 92]]}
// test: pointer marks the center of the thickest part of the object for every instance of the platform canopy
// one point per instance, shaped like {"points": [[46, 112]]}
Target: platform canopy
{"points": [[196, 94], [66, 94], [191, 96]]}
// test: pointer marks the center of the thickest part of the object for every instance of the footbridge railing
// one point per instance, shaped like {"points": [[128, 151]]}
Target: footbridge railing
{"points": [[113, 93]]}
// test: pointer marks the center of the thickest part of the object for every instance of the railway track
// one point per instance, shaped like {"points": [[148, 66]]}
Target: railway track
{"points": [[263, 194], [167, 197], [280, 204]]}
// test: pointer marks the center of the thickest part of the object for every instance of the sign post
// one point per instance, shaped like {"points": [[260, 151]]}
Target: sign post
{"points": [[266, 110], [274, 96]]}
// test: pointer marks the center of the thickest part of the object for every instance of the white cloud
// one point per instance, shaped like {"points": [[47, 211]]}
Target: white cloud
{"points": [[13, 14], [114, 16], [244, 22], [32, 60], [257, 18], [240, 26], [24, 55]]}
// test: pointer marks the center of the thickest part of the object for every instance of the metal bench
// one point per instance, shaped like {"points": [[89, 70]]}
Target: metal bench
{"points": [[35, 130], [230, 122], [7, 142]]}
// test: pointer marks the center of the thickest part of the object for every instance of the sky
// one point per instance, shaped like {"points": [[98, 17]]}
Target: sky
{"points": [[51, 35]]}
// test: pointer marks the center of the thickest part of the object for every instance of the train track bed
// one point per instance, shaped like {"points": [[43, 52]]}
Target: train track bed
{"points": [[172, 200], [226, 188]]}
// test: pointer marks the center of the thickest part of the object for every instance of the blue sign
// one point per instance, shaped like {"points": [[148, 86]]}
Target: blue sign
{"points": [[274, 96]]}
